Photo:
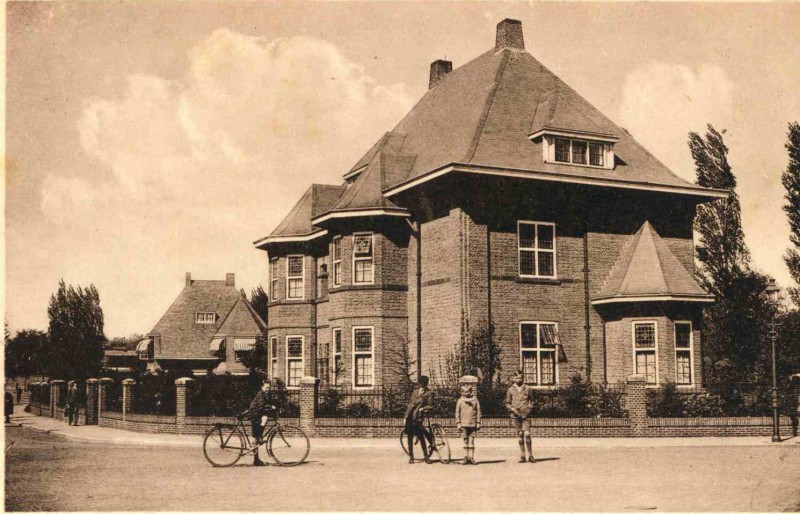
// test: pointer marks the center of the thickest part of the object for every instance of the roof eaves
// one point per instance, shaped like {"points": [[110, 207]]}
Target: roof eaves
{"points": [[292, 238], [653, 298], [362, 212], [707, 193]]}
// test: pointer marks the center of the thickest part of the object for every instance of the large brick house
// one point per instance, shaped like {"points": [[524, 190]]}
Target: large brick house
{"points": [[207, 328], [502, 199]]}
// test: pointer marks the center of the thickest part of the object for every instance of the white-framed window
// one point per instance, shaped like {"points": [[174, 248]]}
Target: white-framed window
{"points": [[273, 357], [538, 357], [294, 360], [242, 346], [363, 362], [337, 356], [363, 269], [295, 273], [583, 153], [336, 254], [684, 347], [205, 317], [273, 279], [645, 350], [536, 249]]}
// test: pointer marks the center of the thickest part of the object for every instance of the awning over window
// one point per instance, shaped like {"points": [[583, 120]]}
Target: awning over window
{"points": [[143, 346], [216, 345], [243, 344]]}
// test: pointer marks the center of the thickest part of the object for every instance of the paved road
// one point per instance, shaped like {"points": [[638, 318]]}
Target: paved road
{"points": [[49, 472]]}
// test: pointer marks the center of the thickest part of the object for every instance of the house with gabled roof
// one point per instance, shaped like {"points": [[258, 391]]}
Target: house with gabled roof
{"points": [[208, 327], [504, 199]]}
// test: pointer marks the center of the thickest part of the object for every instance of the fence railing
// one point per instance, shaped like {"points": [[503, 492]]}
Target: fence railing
{"points": [[718, 400], [389, 401], [112, 401], [153, 397], [229, 396]]}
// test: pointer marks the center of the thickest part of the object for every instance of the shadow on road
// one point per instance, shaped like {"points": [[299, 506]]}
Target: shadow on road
{"points": [[545, 459]]}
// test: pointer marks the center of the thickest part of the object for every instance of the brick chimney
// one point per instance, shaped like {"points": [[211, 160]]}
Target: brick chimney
{"points": [[188, 278], [439, 69], [509, 35], [230, 279]]}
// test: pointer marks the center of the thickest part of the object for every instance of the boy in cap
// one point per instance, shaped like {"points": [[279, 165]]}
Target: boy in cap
{"points": [[468, 420], [519, 404]]}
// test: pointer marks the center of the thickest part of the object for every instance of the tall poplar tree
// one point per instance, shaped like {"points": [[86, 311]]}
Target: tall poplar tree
{"points": [[791, 181], [75, 334], [734, 339], [721, 249]]}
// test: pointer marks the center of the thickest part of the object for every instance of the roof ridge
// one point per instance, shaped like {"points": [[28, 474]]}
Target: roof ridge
{"points": [[254, 313], [473, 146], [654, 239], [222, 323], [632, 239]]}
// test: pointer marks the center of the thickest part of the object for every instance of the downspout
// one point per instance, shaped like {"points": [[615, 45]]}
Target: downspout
{"points": [[416, 229], [586, 301], [489, 279], [314, 322]]}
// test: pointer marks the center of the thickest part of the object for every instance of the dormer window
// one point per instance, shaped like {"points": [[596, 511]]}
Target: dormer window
{"points": [[205, 317], [576, 148]]}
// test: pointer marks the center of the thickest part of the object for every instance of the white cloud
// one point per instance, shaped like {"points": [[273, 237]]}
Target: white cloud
{"points": [[192, 170], [662, 103]]}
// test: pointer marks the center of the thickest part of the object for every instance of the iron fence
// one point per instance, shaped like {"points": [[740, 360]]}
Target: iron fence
{"points": [[723, 399], [389, 401], [153, 395], [225, 396], [113, 397]]}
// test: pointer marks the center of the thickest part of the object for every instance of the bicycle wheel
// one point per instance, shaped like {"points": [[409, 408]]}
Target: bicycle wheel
{"points": [[288, 445], [404, 443], [440, 443], [223, 445]]}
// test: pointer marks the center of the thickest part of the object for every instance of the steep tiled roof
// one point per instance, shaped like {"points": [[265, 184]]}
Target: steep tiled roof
{"points": [[481, 116], [182, 337], [647, 269], [241, 320], [317, 199]]}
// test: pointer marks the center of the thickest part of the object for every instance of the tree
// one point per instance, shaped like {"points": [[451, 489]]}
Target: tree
{"points": [[735, 339], [257, 359], [791, 182], [24, 353], [75, 334], [721, 249], [478, 354], [259, 301]]}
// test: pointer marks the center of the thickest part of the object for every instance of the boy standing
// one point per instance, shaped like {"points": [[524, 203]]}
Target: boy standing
{"points": [[468, 420], [519, 404]]}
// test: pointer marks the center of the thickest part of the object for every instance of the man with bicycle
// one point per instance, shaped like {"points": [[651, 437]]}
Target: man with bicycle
{"points": [[418, 405], [259, 407]]}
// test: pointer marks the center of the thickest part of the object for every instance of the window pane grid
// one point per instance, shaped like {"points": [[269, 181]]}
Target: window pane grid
{"points": [[294, 348], [363, 370], [295, 266], [363, 340], [562, 150], [683, 335], [645, 334], [596, 154], [538, 353], [536, 249], [683, 367], [579, 152]]}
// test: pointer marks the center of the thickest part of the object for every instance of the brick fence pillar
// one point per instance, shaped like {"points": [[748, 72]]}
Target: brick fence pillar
{"points": [[92, 386], [180, 402], [55, 395], [102, 395], [127, 396], [309, 392], [636, 404]]}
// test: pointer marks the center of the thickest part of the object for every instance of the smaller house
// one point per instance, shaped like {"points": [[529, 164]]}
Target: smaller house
{"points": [[209, 327]]}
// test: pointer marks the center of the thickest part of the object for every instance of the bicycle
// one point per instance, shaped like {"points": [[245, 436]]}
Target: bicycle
{"points": [[225, 443], [436, 438]]}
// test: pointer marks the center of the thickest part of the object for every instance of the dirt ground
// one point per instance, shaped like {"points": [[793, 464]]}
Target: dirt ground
{"points": [[49, 472]]}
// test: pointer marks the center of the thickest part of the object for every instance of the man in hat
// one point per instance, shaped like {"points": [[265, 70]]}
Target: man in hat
{"points": [[420, 399]]}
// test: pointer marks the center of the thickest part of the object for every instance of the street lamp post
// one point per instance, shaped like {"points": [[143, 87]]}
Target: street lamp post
{"points": [[773, 292]]}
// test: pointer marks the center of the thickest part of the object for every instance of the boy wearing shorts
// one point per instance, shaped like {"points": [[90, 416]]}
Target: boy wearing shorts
{"points": [[520, 405], [468, 420]]}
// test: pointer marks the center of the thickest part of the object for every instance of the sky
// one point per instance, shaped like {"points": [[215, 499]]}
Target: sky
{"points": [[145, 140]]}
